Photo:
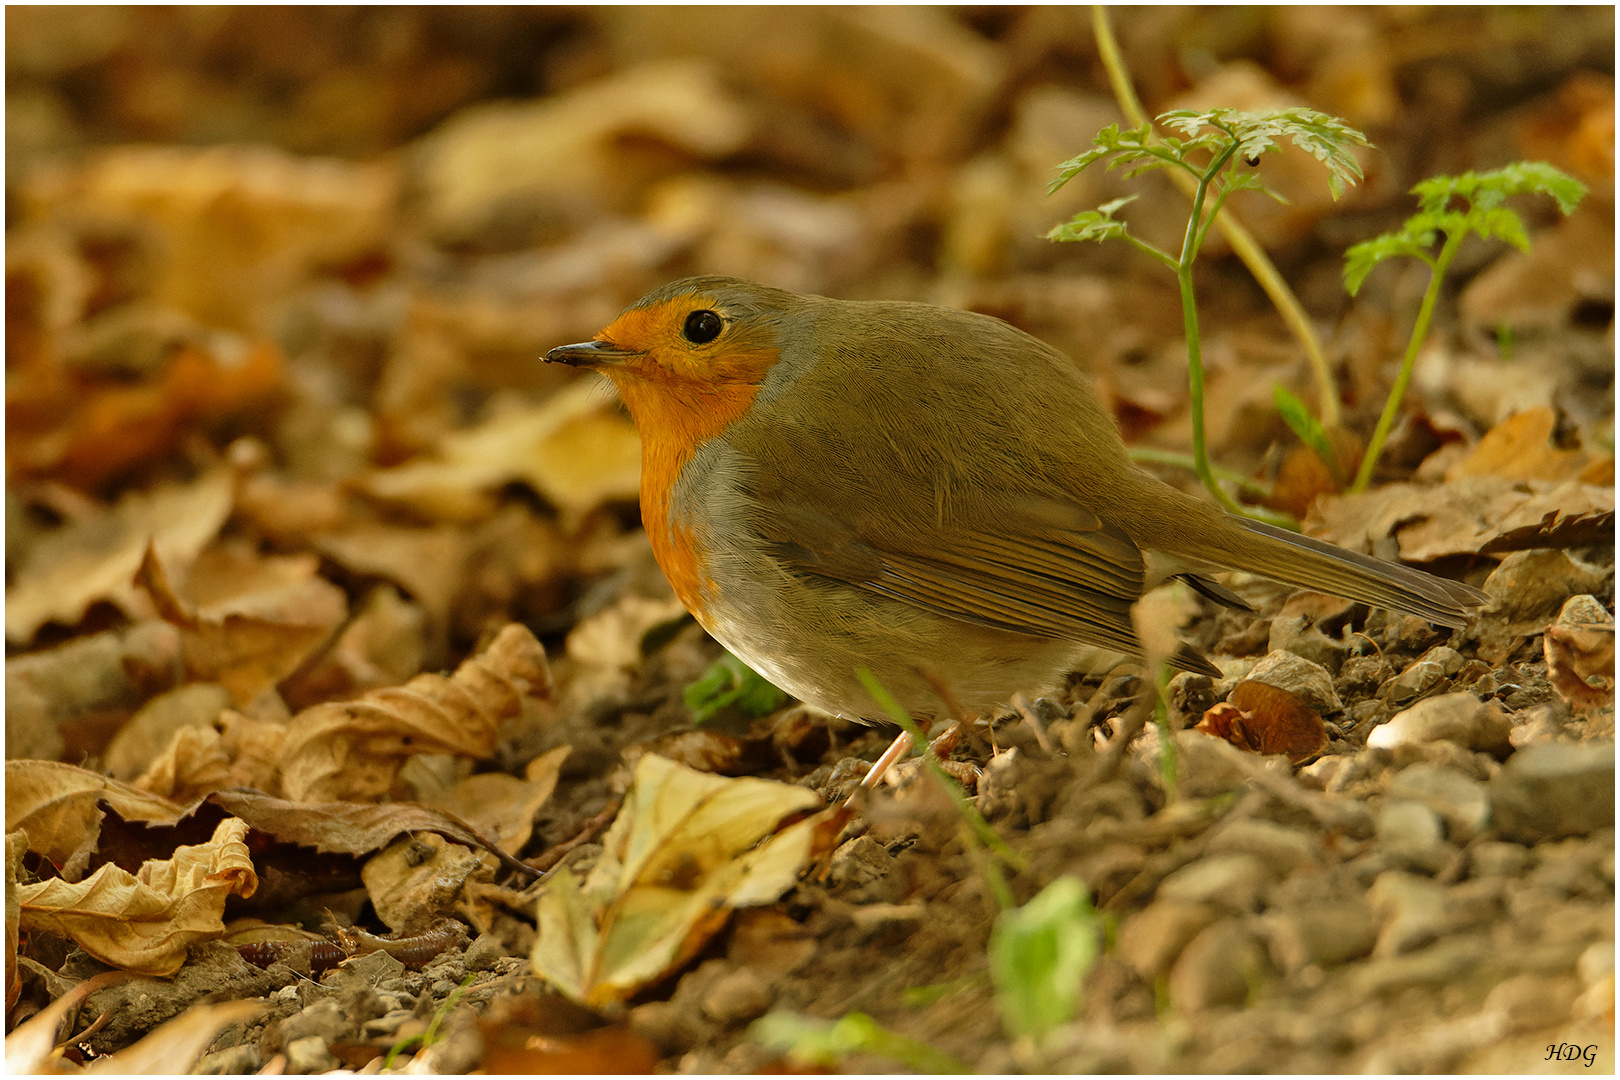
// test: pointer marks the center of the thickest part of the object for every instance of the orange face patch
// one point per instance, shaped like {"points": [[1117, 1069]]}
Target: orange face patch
{"points": [[680, 395]]}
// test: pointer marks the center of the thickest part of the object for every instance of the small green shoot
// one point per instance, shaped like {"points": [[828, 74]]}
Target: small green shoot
{"points": [[729, 681], [1039, 955], [1297, 415], [977, 826], [431, 1035], [1481, 214], [1217, 150], [1168, 769], [826, 1043], [917, 997]]}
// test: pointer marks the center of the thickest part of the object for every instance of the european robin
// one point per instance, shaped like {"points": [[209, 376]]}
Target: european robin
{"points": [[830, 484]]}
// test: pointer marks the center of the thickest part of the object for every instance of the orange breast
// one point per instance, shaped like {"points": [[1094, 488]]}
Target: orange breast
{"points": [[675, 417]]}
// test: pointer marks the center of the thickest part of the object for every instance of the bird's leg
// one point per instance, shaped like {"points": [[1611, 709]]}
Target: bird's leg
{"points": [[897, 750]]}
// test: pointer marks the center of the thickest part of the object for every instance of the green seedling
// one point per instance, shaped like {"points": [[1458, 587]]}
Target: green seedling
{"points": [[826, 1043], [729, 681], [1218, 150], [1482, 214], [1039, 955], [989, 843], [431, 1035]]}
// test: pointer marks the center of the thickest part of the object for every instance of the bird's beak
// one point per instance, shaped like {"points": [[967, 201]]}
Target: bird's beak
{"points": [[589, 354]]}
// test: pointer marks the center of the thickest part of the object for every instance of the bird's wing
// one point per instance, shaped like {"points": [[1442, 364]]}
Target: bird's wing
{"points": [[1048, 569]]}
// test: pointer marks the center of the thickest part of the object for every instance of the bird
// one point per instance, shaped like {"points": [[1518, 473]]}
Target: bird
{"points": [[927, 493]]}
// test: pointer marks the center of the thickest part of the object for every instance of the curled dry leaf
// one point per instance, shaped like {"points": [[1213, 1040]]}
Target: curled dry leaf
{"points": [[354, 749], [350, 828], [97, 559], [419, 879], [236, 751], [143, 922], [1458, 518], [56, 804], [686, 848], [1267, 720]]}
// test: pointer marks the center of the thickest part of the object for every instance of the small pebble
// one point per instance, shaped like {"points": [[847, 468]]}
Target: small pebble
{"points": [[1460, 801], [1282, 849], [1497, 858], [738, 996], [1151, 939], [1554, 789], [1413, 910], [1215, 968], [325, 1018], [1411, 832], [1228, 881], [1322, 934], [242, 1059], [1460, 718], [1308, 681], [309, 1055], [484, 952]]}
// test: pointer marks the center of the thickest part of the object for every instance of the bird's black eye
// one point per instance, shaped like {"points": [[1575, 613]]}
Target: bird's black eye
{"points": [[702, 327]]}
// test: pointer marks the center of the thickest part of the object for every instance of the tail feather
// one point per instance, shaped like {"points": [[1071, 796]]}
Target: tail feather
{"points": [[1323, 567]]}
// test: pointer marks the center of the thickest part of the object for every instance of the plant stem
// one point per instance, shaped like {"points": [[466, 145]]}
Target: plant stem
{"points": [[1243, 244], [1420, 331], [1195, 395]]}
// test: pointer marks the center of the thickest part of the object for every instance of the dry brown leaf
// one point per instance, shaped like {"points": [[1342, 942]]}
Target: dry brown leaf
{"points": [[143, 922], [237, 226], [383, 645], [574, 448], [16, 848], [429, 564], [419, 880], [686, 848], [32, 1048], [289, 511], [511, 1048], [1303, 475], [238, 751], [56, 804], [503, 807], [353, 750], [1267, 720], [247, 621], [1457, 518], [97, 560], [564, 152], [351, 828], [121, 427], [176, 1046], [1520, 448], [110, 671], [149, 734]]}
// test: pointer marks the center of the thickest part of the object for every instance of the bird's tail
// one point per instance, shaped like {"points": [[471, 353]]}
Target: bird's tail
{"points": [[1306, 563]]}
